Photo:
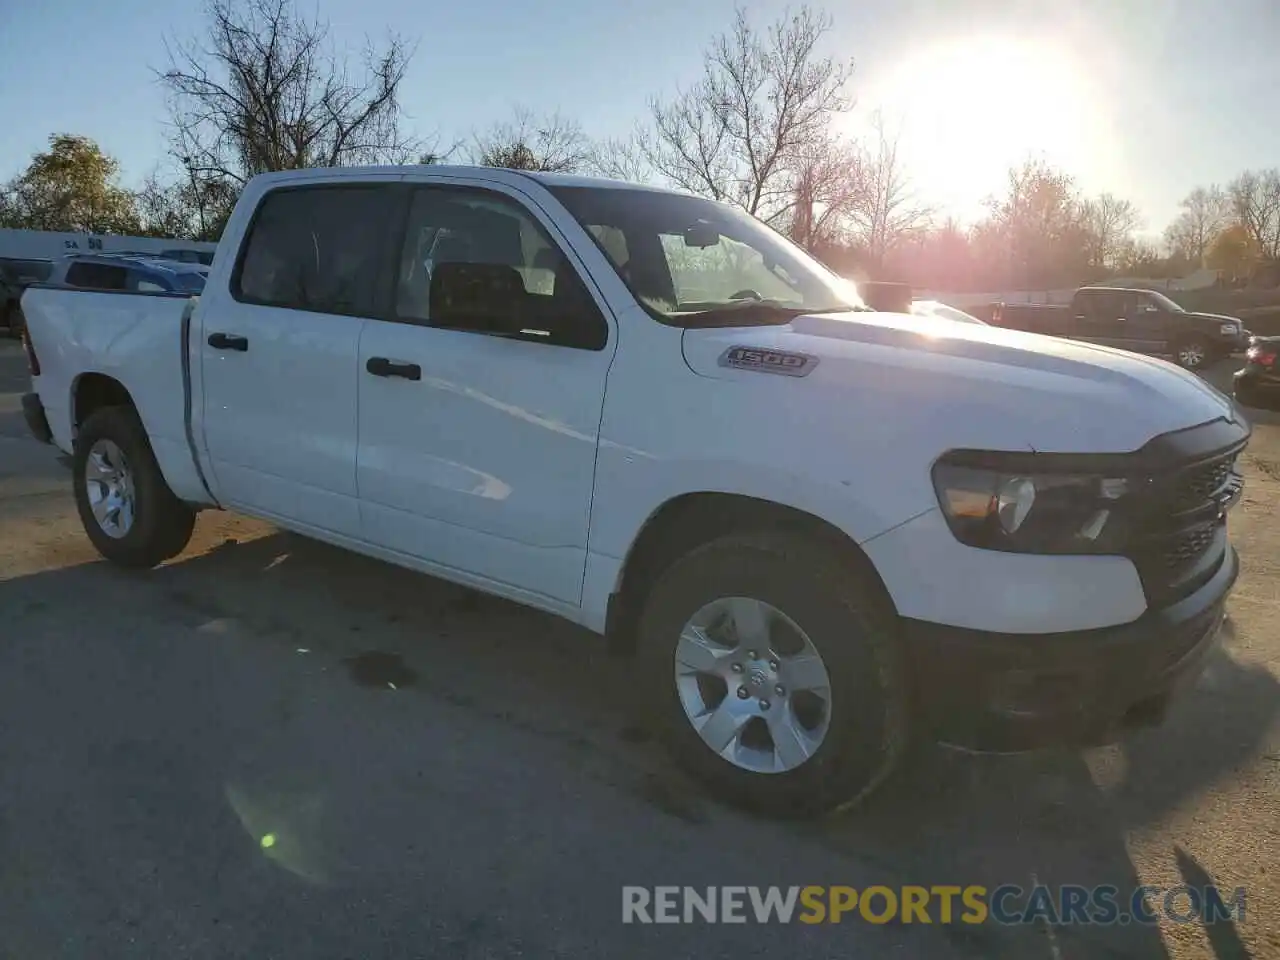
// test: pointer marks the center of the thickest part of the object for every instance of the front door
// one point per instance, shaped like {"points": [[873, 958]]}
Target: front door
{"points": [[477, 450], [1148, 324], [278, 350]]}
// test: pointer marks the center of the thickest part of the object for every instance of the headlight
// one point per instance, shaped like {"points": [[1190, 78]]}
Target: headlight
{"points": [[1034, 512], [1229, 330]]}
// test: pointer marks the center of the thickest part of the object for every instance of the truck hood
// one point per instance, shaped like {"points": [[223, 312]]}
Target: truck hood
{"points": [[1017, 389], [1215, 318]]}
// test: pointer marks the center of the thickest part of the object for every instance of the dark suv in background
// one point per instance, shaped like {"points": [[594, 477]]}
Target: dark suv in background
{"points": [[1144, 321]]}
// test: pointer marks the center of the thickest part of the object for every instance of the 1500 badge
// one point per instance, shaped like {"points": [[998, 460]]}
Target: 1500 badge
{"points": [[769, 361]]}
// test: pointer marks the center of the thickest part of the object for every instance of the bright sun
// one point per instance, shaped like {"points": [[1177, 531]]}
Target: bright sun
{"points": [[970, 109]]}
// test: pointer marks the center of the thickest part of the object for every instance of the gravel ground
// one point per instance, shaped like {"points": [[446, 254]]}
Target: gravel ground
{"points": [[486, 794]]}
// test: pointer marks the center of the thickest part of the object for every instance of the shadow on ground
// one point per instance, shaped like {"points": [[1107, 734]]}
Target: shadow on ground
{"points": [[951, 818]]}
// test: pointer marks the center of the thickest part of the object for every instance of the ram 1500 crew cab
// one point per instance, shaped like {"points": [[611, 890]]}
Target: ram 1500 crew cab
{"points": [[652, 415]]}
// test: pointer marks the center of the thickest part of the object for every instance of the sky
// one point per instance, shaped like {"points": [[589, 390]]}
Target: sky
{"points": [[1142, 98]]}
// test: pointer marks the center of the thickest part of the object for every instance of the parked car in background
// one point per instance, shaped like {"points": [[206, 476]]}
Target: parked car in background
{"points": [[1143, 321], [1257, 384], [503, 378], [133, 274], [204, 257], [936, 308]]}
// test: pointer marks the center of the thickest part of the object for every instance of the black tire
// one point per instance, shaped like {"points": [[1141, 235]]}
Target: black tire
{"points": [[162, 523], [1191, 342], [846, 619]]}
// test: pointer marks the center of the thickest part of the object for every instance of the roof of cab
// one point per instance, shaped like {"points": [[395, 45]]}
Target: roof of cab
{"points": [[445, 171]]}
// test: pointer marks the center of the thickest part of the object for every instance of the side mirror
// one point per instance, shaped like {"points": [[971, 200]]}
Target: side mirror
{"points": [[485, 297]]}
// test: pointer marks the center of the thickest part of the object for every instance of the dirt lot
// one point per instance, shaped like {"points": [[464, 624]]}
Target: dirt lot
{"points": [[203, 761]]}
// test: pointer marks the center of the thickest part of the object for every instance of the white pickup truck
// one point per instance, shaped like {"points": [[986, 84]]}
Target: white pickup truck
{"points": [[820, 530]]}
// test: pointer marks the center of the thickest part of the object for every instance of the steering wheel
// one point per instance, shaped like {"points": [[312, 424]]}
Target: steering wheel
{"points": [[747, 294]]}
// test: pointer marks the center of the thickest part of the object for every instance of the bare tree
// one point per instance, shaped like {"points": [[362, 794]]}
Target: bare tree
{"points": [[889, 211], [1205, 212], [1038, 227], [552, 143], [763, 98], [620, 158], [1107, 223], [1255, 202], [265, 90], [831, 185], [162, 209]]}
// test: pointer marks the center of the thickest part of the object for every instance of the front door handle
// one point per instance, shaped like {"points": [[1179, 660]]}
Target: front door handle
{"points": [[383, 367], [228, 341]]}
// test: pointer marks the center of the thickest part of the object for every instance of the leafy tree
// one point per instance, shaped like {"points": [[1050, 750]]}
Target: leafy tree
{"points": [[1233, 251], [73, 187]]}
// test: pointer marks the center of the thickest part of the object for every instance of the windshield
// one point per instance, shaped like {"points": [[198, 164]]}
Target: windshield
{"points": [[1163, 302], [691, 261]]}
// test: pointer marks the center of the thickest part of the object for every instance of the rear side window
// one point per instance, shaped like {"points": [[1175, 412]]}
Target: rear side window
{"points": [[97, 276], [316, 249]]}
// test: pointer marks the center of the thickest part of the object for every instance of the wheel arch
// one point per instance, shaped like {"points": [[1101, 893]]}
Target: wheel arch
{"points": [[91, 391], [688, 520]]}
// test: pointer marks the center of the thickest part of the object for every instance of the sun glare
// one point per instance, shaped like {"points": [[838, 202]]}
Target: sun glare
{"points": [[970, 109]]}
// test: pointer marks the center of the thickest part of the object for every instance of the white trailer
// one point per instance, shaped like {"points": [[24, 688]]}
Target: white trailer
{"points": [[49, 245]]}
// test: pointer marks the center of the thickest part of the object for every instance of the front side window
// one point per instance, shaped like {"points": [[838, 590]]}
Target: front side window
{"points": [[507, 246], [694, 262], [316, 249], [1158, 301]]}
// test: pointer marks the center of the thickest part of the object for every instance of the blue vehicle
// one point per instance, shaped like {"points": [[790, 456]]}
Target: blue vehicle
{"points": [[134, 273]]}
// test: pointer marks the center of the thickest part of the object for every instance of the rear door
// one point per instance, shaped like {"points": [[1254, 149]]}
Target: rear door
{"points": [[279, 341], [1100, 317]]}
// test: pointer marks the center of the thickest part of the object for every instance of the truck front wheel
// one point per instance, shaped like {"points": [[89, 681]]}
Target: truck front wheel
{"points": [[774, 675], [128, 511], [1192, 352]]}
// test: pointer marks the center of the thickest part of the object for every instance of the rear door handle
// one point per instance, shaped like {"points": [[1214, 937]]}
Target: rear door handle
{"points": [[228, 341], [383, 367]]}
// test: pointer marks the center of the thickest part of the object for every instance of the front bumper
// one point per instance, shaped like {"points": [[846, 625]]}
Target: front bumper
{"points": [[1014, 692], [37, 422]]}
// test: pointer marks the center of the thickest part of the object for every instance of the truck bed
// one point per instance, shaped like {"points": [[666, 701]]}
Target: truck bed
{"points": [[132, 338]]}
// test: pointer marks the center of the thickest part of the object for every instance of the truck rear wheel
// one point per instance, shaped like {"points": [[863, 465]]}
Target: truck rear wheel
{"points": [[773, 674], [127, 508]]}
